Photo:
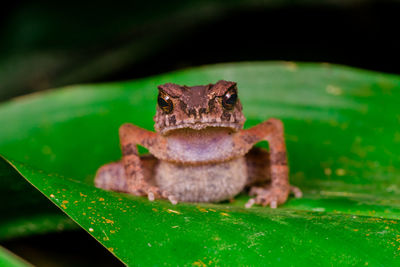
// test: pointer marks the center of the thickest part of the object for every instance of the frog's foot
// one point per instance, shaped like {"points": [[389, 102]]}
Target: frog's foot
{"points": [[152, 193], [272, 196]]}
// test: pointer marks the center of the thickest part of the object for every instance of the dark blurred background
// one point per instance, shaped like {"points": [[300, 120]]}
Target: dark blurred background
{"points": [[46, 44]]}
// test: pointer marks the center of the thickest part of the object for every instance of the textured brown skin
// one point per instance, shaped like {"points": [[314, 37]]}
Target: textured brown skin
{"points": [[200, 153]]}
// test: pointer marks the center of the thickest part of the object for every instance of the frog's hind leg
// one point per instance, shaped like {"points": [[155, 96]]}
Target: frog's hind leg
{"points": [[259, 171], [112, 176]]}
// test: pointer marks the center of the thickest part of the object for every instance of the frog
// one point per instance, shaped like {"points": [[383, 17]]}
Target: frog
{"points": [[200, 152]]}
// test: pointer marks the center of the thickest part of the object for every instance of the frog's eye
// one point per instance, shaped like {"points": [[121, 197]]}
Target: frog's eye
{"points": [[230, 99], [165, 103]]}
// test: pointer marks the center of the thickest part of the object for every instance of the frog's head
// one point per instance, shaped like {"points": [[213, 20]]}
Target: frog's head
{"points": [[198, 107]]}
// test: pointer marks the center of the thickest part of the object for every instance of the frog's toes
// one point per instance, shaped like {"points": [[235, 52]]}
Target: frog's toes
{"points": [[155, 193], [250, 203], [151, 196], [172, 199], [272, 196], [263, 201], [296, 191]]}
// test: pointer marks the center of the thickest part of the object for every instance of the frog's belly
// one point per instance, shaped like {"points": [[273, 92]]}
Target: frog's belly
{"points": [[202, 183]]}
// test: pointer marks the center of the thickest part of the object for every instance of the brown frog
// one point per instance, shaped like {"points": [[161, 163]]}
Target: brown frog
{"points": [[200, 152]]}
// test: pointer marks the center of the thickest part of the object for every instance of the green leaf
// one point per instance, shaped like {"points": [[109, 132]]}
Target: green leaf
{"points": [[9, 259], [342, 137]]}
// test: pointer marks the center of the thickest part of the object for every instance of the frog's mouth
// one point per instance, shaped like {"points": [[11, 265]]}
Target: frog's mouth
{"points": [[200, 126], [166, 124]]}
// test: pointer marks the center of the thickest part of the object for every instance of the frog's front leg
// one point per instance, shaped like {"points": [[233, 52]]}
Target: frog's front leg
{"points": [[131, 136], [278, 190], [135, 180]]}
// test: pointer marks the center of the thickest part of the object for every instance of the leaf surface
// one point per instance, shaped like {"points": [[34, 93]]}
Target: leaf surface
{"points": [[8, 259], [342, 137]]}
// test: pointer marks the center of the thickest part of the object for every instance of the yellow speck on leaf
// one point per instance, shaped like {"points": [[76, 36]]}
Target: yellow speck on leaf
{"points": [[63, 204], [333, 90], [82, 195], [216, 238], [340, 172], [224, 214], [291, 66], [199, 263], [173, 211], [111, 249], [51, 195], [112, 231], [109, 221], [101, 199], [46, 150], [91, 230], [327, 171]]}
